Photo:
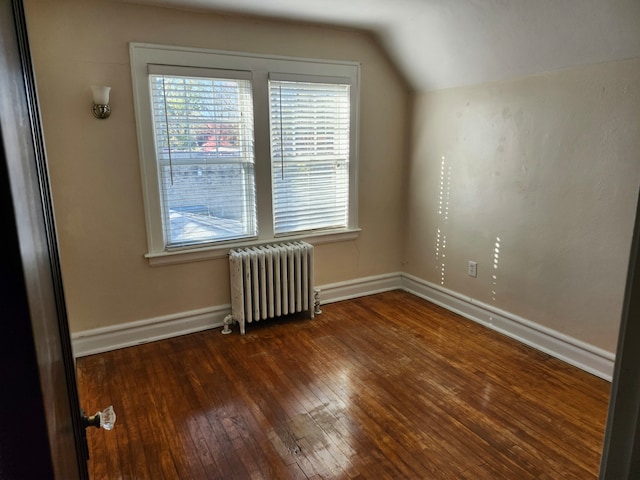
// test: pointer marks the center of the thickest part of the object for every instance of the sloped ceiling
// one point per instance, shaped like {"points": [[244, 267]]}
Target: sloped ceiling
{"points": [[447, 43]]}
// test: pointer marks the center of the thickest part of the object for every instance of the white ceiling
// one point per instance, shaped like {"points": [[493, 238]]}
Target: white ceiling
{"points": [[447, 43]]}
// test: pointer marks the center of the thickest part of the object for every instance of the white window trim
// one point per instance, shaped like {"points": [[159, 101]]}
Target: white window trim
{"points": [[222, 249], [260, 66]]}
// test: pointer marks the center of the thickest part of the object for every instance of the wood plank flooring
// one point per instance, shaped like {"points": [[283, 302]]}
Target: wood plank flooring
{"points": [[382, 387]]}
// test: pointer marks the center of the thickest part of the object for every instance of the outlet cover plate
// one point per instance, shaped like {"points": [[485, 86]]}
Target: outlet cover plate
{"points": [[473, 269]]}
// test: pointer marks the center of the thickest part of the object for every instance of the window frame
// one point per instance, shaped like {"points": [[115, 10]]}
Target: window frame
{"points": [[260, 67]]}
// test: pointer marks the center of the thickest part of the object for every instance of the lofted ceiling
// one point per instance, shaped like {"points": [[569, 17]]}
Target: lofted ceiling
{"points": [[447, 43]]}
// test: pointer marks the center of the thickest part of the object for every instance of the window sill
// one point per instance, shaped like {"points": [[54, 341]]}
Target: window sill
{"points": [[158, 259]]}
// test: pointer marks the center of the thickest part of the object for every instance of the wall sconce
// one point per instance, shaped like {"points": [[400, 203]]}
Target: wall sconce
{"points": [[101, 108]]}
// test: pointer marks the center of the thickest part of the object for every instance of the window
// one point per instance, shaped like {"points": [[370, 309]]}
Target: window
{"points": [[204, 151], [238, 149], [309, 155]]}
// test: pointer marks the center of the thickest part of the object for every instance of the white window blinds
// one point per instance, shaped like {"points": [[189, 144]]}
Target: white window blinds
{"points": [[309, 155], [204, 141]]}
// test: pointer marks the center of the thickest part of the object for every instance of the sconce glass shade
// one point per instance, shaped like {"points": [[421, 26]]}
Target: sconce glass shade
{"points": [[101, 107], [100, 94]]}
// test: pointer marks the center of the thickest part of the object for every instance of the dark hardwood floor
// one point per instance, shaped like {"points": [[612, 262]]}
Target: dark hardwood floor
{"points": [[382, 387]]}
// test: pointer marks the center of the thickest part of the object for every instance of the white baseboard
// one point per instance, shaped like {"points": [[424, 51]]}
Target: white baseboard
{"points": [[586, 357], [568, 349], [100, 340], [336, 292], [114, 337]]}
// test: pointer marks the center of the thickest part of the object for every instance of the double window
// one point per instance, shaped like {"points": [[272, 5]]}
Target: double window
{"points": [[241, 149]]}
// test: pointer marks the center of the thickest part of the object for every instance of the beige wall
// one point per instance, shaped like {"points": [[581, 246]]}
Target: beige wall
{"points": [[548, 164], [94, 164]]}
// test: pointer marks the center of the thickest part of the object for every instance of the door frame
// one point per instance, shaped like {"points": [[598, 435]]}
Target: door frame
{"points": [[42, 435]]}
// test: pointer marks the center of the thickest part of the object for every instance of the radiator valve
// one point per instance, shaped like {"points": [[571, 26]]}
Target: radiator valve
{"points": [[228, 320], [316, 302]]}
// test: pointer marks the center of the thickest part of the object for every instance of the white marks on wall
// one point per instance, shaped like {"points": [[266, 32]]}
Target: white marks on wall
{"points": [[441, 246], [443, 217], [445, 190], [494, 273]]}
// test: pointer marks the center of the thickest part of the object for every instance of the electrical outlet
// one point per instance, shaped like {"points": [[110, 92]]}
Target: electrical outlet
{"points": [[473, 269]]}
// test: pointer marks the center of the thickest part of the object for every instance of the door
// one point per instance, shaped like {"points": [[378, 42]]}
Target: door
{"points": [[41, 433], [621, 453]]}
